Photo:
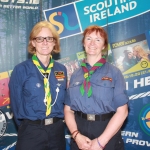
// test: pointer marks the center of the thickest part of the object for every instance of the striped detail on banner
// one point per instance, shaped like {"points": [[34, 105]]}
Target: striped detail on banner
{"points": [[140, 95], [10, 146], [12, 134]]}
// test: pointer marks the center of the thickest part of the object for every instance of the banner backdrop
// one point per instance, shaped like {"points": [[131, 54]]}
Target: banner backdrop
{"points": [[17, 18], [127, 23]]}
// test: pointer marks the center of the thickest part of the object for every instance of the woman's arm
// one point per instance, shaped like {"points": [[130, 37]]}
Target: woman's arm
{"points": [[112, 128], [70, 119], [82, 141], [114, 124], [15, 93]]}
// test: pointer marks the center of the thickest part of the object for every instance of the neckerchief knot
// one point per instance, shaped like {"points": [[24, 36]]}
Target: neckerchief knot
{"points": [[87, 75]]}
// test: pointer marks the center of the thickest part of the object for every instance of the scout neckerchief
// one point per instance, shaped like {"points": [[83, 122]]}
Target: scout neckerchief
{"points": [[48, 98], [88, 74]]}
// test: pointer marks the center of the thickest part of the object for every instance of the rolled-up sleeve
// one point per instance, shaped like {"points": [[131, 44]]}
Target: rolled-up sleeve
{"points": [[67, 99], [120, 95]]}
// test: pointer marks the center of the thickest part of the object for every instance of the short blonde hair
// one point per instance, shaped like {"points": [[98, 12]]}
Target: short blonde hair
{"points": [[141, 52], [36, 30]]}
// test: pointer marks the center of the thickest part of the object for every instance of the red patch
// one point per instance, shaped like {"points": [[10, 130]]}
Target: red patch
{"points": [[59, 13], [107, 78]]}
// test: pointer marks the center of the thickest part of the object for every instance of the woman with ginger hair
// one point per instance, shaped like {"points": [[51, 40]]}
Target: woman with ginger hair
{"points": [[96, 103], [140, 54]]}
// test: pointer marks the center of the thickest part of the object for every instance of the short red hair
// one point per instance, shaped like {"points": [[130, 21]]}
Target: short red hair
{"points": [[98, 29]]}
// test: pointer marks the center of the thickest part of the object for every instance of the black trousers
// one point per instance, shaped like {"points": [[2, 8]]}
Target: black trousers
{"points": [[93, 129], [41, 137]]}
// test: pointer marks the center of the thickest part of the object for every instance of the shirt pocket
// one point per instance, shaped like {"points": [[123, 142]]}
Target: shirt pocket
{"points": [[31, 87], [103, 89], [74, 89]]}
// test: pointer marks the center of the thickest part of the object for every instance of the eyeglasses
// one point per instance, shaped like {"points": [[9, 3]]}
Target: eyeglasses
{"points": [[41, 39]]}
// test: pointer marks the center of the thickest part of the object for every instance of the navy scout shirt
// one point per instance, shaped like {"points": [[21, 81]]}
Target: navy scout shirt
{"points": [[108, 91], [27, 91]]}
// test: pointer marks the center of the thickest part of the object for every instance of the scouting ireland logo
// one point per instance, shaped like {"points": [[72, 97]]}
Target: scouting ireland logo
{"points": [[64, 18], [144, 119]]}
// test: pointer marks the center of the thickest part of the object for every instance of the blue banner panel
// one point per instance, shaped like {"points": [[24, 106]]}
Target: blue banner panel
{"points": [[65, 20], [104, 12]]}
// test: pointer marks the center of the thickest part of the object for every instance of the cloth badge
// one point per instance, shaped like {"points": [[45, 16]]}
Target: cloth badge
{"points": [[107, 78], [77, 83], [59, 75], [38, 85], [58, 84]]}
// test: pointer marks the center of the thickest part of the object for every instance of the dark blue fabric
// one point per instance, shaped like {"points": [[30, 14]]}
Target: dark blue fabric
{"points": [[40, 137], [27, 92]]}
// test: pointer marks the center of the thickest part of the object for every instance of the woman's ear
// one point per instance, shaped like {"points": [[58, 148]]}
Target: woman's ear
{"points": [[33, 43]]}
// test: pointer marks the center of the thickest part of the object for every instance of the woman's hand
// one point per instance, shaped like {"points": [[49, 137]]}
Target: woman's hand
{"points": [[83, 142], [95, 145]]}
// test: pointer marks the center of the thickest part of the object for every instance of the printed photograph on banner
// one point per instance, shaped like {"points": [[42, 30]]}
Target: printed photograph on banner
{"points": [[71, 63], [110, 55], [81, 56], [64, 18], [131, 55], [4, 91]]}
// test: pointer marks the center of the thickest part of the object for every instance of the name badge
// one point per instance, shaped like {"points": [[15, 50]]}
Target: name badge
{"points": [[107, 78]]}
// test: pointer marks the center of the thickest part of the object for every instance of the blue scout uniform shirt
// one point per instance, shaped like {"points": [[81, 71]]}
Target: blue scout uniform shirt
{"points": [[27, 92], [108, 91]]}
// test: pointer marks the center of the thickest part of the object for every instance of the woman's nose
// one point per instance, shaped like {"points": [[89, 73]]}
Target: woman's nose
{"points": [[92, 42]]}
